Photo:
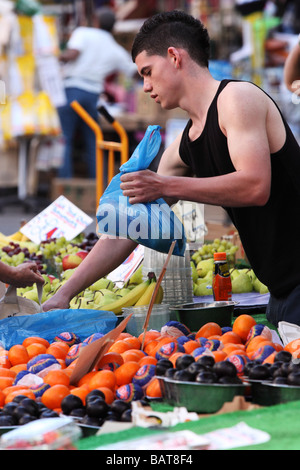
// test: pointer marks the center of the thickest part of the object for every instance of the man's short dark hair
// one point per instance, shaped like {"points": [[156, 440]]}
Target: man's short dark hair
{"points": [[106, 18], [173, 28]]}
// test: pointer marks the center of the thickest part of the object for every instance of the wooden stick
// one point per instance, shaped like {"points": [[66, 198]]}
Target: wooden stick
{"points": [[160, 278]]}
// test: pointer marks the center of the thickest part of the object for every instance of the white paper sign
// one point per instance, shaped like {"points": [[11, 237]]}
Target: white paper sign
{"points": [[60, 219], [123, 272]]}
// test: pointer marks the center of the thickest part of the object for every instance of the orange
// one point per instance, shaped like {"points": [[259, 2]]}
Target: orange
{"points": [[242, 325], [62, 363], [133, 355], [6, 382], [110, 357], [18, 368], [2, 399], [219, 355], [270, 359], [134, 342], [4, 372], [292, 345], [147, 360], [53, 397], [150, 346], [14, 388], [229, 347], [215, 337], [35, 348], [86, 378], [4, 361], [189, 346], [108, 393], [230, 337], [57, 377], [296, 354], [119, 346], [18, 354], [153, 389], [149, 336], [80, 392], [161, 342], [58, 349], [125, 373], [123, 335], [256, 343], [174, 357], [22, 391], [103, 378], [209, 329], [35, 339]]}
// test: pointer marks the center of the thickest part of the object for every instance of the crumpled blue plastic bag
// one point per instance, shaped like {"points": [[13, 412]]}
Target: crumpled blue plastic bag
{"points": [[152, 224], [13, 330]]}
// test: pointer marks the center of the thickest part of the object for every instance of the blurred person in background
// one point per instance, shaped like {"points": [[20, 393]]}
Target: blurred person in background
{"points": [[92, 54]]}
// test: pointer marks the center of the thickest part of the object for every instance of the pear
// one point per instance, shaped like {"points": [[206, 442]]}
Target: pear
{"points": [[102, 283], [106, 299], [67, 273], [204, 266], [99, 296], [122, 291], [194, 272], [33, 295], [234, 274], [260, 287], [203, 289], [242, 284], [137, 276], [207, 279]]}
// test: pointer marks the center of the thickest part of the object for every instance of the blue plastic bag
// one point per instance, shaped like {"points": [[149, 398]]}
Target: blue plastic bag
{"points": [[152, 224], [14, 330]]}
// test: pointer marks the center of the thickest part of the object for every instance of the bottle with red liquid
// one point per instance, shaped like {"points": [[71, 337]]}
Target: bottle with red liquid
{"points": [[222, 289]]}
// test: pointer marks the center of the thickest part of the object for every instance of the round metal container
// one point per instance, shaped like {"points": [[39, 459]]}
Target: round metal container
{"points": [[201, 398], [194, 315], [269, 394]]}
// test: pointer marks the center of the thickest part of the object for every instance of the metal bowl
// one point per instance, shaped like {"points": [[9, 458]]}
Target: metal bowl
{"points": [[268, 394], [201, 398], [194, 315]]}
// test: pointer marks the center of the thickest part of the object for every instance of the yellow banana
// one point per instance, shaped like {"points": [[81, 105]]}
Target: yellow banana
{"points": [[146, 297], [17, 236], [127, 300]]}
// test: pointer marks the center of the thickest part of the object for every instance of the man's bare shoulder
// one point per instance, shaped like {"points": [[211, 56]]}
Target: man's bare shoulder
{"points": [[240, 91]]}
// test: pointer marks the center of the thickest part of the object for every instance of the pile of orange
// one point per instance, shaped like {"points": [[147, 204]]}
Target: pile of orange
{"points": [[120, 363]]}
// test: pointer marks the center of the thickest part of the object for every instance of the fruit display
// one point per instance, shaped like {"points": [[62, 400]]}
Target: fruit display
{"points": [[243, 280], [35, 375]]}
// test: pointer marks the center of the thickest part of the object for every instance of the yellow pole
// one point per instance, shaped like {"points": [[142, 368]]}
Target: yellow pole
{"points": [[99, 151]]}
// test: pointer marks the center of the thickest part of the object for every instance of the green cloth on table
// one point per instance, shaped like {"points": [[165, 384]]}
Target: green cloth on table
{"points": [[281, 422]]}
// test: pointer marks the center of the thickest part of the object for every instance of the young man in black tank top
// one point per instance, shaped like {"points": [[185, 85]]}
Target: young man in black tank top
{"points": [[236, 143]]}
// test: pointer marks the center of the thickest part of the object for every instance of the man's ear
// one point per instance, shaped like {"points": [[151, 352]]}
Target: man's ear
{"points": [[175, 56]]}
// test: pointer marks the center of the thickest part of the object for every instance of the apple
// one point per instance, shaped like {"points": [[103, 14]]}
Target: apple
{"points": [[73, 260]]}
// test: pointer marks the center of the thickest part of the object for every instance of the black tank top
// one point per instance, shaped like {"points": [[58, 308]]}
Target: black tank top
{"points": [[270, 234]]}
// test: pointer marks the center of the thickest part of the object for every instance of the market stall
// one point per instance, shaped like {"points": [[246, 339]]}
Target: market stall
{"points": [[148, 357]]}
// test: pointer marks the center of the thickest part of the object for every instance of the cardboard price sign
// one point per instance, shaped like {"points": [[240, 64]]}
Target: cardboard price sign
{"points": [[60, 219], [91, 354]]}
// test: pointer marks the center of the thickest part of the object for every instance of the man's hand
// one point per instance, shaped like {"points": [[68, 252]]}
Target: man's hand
{"points": [[141, 186], [23, 275]]}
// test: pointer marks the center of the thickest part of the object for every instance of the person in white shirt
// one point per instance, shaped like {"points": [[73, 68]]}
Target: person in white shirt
{"points": [[92, 54]]}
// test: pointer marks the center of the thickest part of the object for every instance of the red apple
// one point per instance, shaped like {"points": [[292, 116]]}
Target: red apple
{"points": [[73, 260]]}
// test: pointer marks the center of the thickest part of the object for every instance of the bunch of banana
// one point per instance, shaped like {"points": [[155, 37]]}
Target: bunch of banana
{"points": [[140, 295], [129, 299], [147, 295]]}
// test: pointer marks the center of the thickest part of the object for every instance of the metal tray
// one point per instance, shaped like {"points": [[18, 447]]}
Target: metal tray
{"points": [[201, 398]]}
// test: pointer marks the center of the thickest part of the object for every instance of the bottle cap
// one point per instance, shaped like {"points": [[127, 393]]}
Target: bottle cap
{"points": [[220, 256]]}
